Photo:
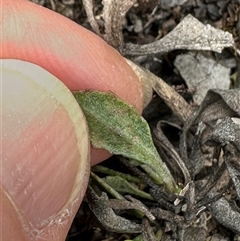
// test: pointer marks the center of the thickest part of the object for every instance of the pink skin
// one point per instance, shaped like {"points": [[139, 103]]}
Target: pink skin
{"points": [[81, 60]]}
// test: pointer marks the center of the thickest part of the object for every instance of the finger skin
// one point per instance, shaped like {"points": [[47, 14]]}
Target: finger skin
{"points": [[44, 151], [12, 227], [76, 56]]}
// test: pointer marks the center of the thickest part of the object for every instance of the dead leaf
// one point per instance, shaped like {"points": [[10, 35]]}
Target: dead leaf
{"points": [[189, 34], [202, 73]]}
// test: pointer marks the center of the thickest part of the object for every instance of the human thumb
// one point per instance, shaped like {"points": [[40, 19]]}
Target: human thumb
{"points": [[45, 154]]}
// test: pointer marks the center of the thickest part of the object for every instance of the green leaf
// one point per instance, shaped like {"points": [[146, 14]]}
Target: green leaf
{"points": [[110, 172], [118, 128], [123, 186], [106, 186], [112, 191]]}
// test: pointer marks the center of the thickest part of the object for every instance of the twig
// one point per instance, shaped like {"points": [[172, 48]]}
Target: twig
{"points": [[172, 99]]}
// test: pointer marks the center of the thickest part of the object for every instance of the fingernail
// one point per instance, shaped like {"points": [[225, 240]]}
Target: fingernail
{"points": [[45, 146]]}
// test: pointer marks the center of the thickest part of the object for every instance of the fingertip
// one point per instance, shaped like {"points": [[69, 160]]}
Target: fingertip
{"points": [[73, 54], [45, 152], [76, 56]]}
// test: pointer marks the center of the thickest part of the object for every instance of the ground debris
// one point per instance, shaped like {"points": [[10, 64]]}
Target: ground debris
{"points": [[99, 205], [198, 139], [188, 34]]}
